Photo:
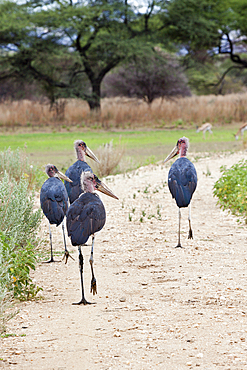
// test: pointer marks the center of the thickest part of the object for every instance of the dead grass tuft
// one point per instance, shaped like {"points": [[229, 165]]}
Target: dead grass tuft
{"points": [[109, 158]]}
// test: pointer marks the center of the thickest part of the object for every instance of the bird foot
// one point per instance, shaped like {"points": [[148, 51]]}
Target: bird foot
{"points": [[82, 301], [190, 236], [66, 256], [50, 261], [93, 286], [179, 246]]}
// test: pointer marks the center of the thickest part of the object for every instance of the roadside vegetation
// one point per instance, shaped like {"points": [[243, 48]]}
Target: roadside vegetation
{"points": [[231, 189], [19, 225]]}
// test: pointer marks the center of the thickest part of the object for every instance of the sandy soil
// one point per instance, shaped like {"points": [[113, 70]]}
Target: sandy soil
{"points": [[157, 307]]}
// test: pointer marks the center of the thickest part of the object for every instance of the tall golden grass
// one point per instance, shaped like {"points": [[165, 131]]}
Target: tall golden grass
{"points": [[129, 113]]}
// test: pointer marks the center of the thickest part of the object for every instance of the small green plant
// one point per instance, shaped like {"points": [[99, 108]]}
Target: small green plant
{"points": [[155, 190], [158, 212], [133, 210], [146, 191], [143, 213], [231, 189], [134, 196], [207, 173], [130, 217]]}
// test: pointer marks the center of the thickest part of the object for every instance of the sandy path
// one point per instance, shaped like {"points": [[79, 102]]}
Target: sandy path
{"points": [[157, 307]]}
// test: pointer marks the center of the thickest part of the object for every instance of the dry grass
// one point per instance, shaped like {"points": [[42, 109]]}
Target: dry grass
{"points": [[109, 158], [129, 113]]}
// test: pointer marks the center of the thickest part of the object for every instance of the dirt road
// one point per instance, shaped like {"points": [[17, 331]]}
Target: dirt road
{"points": [[157, 307]]}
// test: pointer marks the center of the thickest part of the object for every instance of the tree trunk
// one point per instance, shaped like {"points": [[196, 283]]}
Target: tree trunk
{"points": [[94, 100]]}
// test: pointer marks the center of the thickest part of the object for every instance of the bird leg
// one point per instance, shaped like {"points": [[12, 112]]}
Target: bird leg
{"points": [[83, 299], [93, 281], [190, 236], [179, 219], [66, 252], [51, 259]]}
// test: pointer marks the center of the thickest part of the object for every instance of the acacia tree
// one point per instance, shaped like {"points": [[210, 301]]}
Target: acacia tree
{"points": [[208, 28], [94, 36], [149, 77]]}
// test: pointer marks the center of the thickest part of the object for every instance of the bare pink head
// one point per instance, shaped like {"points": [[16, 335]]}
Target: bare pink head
{"points": [[80, 148], [180, 148]]}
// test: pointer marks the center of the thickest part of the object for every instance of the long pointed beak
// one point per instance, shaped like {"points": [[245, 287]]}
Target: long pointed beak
{"points": [[91, 155], [172, 154], [62, 176], [104, 189]]}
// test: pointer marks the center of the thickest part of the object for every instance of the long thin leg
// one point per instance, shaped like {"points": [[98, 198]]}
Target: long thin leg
{"points": [[93, 281], [66, 252], [51, 259], [83, 299], [190, 236], [179, 219]]}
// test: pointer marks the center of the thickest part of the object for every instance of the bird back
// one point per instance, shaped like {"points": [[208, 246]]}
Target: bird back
{"points": [[74, 173], [54, 200], [85, 217], [182, 181]]}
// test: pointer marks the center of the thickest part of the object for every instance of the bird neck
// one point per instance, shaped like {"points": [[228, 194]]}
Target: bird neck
{"points": [[88, 187], [80, 154], [182, 151]]}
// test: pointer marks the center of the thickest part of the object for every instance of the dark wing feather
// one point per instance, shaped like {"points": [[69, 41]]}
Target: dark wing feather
{"points": [[74, 173], [54, 200], [182, 181], [85, 217]]}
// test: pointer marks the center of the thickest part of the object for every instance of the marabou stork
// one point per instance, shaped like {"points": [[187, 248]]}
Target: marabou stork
{"points": [[182, 181], [74, 172], [85, 217], [54, 202]]}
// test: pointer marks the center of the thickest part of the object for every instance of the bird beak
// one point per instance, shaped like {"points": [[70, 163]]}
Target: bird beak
{"points": [[104, 189], [91, 155], [62, 176], [172, 154]]}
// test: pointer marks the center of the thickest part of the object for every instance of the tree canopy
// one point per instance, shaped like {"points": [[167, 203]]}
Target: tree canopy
{"points": [[208, 28], [69, 46]]}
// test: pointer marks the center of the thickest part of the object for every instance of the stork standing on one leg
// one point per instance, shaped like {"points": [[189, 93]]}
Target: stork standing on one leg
{"points": [[54, 202], [85, 217], [182, 181], [74, 172]]}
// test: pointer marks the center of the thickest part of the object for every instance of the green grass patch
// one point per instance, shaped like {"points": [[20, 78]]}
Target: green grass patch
{"points": [[144, 146]]}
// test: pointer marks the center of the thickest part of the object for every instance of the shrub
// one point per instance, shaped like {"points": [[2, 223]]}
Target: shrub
{"points": [[231, 189], [17, 218], [5, 295], [19, 225], [16, 164], [19, 262]]}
